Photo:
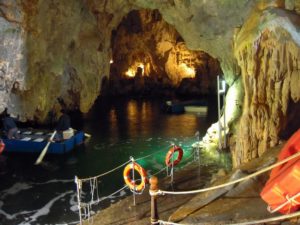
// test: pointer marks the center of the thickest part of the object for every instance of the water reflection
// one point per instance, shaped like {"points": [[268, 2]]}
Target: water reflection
{"points": [[119, 129]]}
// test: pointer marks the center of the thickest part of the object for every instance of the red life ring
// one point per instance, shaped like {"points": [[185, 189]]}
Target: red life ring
{"points": [[170, 153], [2, 146], [129, 182]]}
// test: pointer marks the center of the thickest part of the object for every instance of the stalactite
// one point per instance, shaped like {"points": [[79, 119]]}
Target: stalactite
{"points": [[269, 66]]}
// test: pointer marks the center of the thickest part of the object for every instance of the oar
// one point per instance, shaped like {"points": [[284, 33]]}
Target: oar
{"points": [[87, 135], [43, 153]]}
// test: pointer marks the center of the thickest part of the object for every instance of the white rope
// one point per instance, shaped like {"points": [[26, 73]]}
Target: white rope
{"points": [[103, 174], [162, 192], [267, 220], [106, 197], [93, 186], [161, 222], [153, 153], [272, 219], [161, 170], [110, 171], [290, 200]]}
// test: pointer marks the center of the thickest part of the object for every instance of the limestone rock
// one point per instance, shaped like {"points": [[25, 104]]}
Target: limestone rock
{"points": [[61, 49], [267, 52]]}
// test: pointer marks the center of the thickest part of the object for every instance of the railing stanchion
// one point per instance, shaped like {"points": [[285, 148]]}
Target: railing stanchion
{"points": [[133, 192], [78, 185], [172, 169], [153, 193]]}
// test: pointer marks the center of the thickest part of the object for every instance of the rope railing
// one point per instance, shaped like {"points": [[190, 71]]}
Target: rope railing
{"points": [[106, 197], [103, 174], [154, 153], [162, 192], [85, 207], [155, 191]]}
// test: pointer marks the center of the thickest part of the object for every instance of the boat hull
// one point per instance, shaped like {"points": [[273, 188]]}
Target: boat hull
{"points": [[22, 146]]}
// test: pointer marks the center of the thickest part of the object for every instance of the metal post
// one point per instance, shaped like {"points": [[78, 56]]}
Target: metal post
{"points": [[224, 105], [219, 112], [172, 168], [78, 185], [198, 147], [132, 161], [153, 193]]}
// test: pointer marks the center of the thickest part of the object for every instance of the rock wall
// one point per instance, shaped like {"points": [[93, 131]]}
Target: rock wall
{"points": [[61, 49], [12, 47], [55, 44], [143, 39], [268, 54]]}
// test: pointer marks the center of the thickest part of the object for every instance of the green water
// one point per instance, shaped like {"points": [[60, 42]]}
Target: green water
{"points": [[120, 129]]}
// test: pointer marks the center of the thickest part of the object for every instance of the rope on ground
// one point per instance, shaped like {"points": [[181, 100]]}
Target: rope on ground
{"points": [[161, 222], [267, 220], [162, 192], [272, 219]]}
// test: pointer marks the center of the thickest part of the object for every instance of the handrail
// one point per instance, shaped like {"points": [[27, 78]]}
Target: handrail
{"points": [[162, 192]]}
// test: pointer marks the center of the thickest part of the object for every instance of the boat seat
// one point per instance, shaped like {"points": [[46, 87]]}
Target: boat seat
{"points": [[68, 133], [26, 139], [38, 140]]}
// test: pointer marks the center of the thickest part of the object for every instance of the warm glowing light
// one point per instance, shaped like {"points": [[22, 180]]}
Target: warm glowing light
{"points": [[187, 71], [130, 72], [111, 61]]}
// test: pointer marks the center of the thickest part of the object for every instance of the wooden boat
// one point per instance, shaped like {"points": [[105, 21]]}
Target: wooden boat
{"points": [[185, 106], [34, 141], [196, 109]]}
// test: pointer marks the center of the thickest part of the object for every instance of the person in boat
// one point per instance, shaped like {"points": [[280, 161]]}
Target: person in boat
{"points": [[63, 126], [10, 127]]}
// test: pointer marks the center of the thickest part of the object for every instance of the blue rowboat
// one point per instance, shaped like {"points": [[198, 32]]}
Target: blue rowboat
{"points": [[34, 142]]}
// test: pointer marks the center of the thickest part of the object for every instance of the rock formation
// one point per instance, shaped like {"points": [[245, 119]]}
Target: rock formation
{"points": [[143, 39], [61, 49]]}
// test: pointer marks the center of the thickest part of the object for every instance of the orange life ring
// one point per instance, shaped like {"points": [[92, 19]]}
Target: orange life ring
{"points": [[129, 182], [2, 146], [170, 153]]}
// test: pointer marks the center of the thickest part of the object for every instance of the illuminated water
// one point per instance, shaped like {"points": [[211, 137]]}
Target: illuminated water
{"points": [[46, 194]]}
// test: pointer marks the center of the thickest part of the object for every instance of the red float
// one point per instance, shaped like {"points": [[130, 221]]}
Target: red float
{"points": [[283, 187], [2, 146], [170, 153]]}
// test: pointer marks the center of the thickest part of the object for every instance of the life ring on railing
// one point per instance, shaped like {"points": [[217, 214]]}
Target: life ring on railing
{"points": [[128, 180], [2, 146], [170, 153]]}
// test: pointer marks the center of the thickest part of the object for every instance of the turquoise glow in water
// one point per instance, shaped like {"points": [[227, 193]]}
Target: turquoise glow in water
{"points": [[119, 129]]}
